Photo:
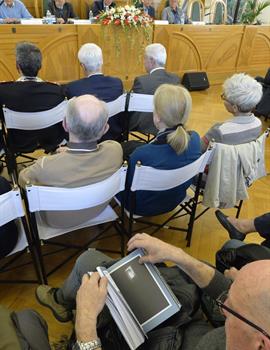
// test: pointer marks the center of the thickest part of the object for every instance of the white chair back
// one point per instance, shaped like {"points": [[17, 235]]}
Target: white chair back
{"points": [[11, 206], [151, 179], [117, 106], [141, 103], [12, 209], [34, 120], [56, 198]]}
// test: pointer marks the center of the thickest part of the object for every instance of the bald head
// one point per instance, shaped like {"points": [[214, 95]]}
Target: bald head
{"points": [[86, 118], [250, 293]]}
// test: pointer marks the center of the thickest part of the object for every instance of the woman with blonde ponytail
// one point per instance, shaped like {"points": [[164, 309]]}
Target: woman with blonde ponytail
{"points": [[172, 148]]}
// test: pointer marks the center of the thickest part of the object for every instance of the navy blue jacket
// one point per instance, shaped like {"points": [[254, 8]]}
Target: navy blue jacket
{"points": [[160, 155], [106, 89], [150, 10]]}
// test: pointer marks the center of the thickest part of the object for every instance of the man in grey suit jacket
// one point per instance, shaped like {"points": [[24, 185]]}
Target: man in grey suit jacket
{"points": [[174, 14], [154, 61]]}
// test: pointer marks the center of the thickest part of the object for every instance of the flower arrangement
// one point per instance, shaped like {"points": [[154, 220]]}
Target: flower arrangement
{"points": [[127, 17]]}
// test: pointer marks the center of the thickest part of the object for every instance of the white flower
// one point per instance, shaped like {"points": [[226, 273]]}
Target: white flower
{"points": [[127, 8], [112, 11]]}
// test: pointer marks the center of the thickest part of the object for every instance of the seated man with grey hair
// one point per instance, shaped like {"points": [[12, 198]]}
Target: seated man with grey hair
{"points": [[31, 94], [241, 94], [154, 62], [82, 163], [95, 83]]}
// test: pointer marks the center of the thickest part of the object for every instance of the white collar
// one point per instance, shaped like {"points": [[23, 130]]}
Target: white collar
{"points": [[13, 4], [153, 70], [25, 78], [90, 75]]}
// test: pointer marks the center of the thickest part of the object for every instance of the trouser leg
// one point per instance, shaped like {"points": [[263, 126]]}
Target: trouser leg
{"points": [[32, 330], [262, 225], [233, 243], [88, 261]]}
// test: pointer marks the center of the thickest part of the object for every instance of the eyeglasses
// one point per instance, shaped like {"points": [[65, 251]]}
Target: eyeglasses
{"points": [[220, 302], [223, 97]]}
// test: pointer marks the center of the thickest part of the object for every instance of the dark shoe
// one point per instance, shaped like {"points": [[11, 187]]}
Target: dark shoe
{"points": [[45, 296], [233, 232]]}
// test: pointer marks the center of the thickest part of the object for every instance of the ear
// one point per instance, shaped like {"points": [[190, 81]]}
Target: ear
{"points": [[18, 68], [235, 108], [264, 343], [157, 117], [83, 67], [104, 130], [64, 123]]}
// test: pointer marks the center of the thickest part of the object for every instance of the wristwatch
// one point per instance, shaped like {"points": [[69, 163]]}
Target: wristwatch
{"points": [[90, 345]]}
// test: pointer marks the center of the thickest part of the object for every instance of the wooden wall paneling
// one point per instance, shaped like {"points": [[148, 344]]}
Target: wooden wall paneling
{"points": [[60, 54], [58, 44], [223, 45], [211, 48], [218, 50], [254, 57], [8, 40], [183, 54]]}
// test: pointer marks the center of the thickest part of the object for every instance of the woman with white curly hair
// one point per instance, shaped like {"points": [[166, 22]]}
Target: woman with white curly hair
{"points": [[241, 94]]}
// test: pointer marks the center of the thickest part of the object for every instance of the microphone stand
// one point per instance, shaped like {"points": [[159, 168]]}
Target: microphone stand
{"points": [[236, 11]]}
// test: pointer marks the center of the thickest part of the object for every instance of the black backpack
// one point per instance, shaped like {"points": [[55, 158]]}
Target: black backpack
{"points": [[239, 257]]}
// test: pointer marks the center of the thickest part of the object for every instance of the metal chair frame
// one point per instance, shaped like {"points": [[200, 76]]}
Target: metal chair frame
{"points": [[31, 210]]}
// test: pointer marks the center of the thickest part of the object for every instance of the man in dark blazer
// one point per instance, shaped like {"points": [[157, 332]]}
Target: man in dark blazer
{"points": [[105, 88], [146, 7], [100, 6], [30, 94], [154, 61]]}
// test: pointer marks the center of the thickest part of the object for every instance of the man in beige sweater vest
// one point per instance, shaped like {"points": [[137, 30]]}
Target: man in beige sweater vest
{"points": [[82, 163]]}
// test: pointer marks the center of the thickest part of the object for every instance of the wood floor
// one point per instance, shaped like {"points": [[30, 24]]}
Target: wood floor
{"points": [[208, 235]]}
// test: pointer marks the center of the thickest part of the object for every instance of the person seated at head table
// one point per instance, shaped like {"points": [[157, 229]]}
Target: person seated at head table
{"points": [[241, 94], [12, 11], [101, 5], [62, 10], [145, 6], [172, 148], [174, 14]]}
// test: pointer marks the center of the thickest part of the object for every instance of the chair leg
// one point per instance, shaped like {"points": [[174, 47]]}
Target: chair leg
{"points": [[239, 207]]}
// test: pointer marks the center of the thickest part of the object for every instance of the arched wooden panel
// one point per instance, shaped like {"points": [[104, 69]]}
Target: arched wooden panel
{"points": [[224, 54], [183, 54], [260, 54], [60, 58]]}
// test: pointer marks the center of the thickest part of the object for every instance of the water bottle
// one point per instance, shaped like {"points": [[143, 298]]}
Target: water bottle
{"points": [[91, 16], [182, 18]]}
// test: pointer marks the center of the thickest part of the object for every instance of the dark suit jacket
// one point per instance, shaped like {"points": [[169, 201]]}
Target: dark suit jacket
{"points": [[106, 89], [98, 6], [151, 10], [32, 96], [65, 13], [147, 84]]}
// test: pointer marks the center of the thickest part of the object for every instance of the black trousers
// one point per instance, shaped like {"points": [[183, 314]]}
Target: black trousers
{"points": [[9, 231], [262, 225]]}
